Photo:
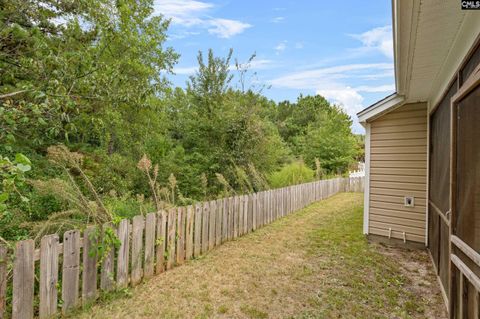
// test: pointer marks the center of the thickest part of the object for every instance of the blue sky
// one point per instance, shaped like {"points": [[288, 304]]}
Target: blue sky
{"points": [[340, 49]]}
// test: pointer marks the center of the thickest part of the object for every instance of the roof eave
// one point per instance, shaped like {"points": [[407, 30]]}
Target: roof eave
{"points": [[380, 108]]}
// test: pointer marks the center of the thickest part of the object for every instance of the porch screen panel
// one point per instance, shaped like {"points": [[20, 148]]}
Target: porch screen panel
{"points": [[439, 187], [470, 66], [467, 225]]}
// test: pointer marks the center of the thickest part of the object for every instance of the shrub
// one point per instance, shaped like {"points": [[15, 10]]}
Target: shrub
{"points": [[291, 174]]}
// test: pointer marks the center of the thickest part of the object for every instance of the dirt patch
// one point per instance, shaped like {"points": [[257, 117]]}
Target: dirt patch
{"points": [[311, 264], [417, 267]]}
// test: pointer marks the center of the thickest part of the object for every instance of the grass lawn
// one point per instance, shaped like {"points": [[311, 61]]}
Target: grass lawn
{"points": [[312, 264]]}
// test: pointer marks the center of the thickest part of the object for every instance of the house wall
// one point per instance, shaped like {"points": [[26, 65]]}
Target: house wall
{"points": [[398, 168]]}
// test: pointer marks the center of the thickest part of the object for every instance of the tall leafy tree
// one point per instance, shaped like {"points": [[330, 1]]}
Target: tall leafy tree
{"points": [[72, 69]]}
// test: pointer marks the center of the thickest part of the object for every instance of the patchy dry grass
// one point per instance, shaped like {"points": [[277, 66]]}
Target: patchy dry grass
{"points": [[312, 264]]}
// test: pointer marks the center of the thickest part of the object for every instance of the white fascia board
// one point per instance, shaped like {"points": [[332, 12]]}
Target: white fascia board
{"points": [[366, 192], [396, 52], [380, 108]]}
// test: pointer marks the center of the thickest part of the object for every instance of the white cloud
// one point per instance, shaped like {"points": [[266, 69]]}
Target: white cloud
{"points": [[194, 14], [378, 39], [183, 34], [331, 82], [326, 77], [225, 28], [279, 48], [277, 19], [350, 98], [261, 64], [184, 12], [346, 96], [185, 70]]}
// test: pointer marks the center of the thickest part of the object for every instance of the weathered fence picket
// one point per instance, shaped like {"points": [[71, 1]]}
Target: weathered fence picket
{"points": [[231, 205], [235, 216], [161, 241], [205, 222], [211, 224], [240, 216], [149, 254], [180, 236], [107, 271], [123, 255], [70, 270], [224, 220], [89, 272], [3, 279], [171, 224], [189, 233], [148, 245], [138, 224], [218, 222], [23, 280], [198, 230], [48, 275]]}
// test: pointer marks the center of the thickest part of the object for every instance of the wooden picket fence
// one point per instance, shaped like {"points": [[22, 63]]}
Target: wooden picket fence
{"points": [[69, 270]]}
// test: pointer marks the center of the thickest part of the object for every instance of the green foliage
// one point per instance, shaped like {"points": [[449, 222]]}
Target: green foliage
{"points": [[12, 174], [90, 75], [12, 195], [221, 130], [360, 139], [127, 206], [291, 174], [331, 142], [79, 80], [314, 128]]}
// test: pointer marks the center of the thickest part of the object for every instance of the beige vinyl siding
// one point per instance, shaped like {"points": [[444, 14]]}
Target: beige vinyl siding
{"points": [[398, 168]]}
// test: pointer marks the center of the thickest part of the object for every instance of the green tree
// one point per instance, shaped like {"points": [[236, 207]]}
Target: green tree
{"points": [[70, 67], [331, 141]]}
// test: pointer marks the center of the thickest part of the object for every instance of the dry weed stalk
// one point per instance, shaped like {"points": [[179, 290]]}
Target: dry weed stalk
{"points": [[145, 165], [81, 209]]}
